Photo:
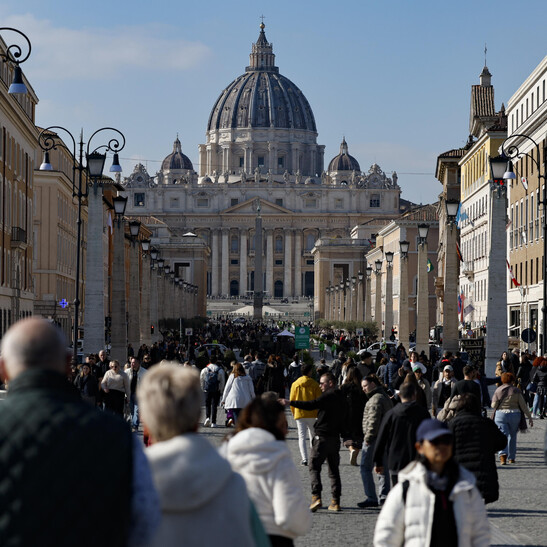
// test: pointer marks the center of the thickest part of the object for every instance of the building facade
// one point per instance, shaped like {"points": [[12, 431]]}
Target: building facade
{"points": [[261, 143]]}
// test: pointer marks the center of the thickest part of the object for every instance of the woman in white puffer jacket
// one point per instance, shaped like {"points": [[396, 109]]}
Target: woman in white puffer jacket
{"points": [[259, 453], [239, 390], [435, 502]]}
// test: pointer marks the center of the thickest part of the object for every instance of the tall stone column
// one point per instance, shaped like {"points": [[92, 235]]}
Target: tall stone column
{"points": [[269, 263], [496, 310], [404, 329], [450, 304], [118, 350], [298, 263], [388, 322], [144, 323], [359, 308], [243, 262], [225, 270], [287, 283], [378, 302], [94, 315], [368, 296], [153, 304], [422, 302], [134, 311], [215, 254], [337, 301]]}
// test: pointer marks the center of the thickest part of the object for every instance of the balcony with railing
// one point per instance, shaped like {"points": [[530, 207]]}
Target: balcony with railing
{"points": [[18, 238]]}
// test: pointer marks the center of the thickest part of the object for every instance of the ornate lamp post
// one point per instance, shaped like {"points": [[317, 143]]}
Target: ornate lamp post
{"points": [[118, 349], [388, 322], [378, 299], [422, 304], [95, 160], [450, 314], [404, 330], [13, 56]]}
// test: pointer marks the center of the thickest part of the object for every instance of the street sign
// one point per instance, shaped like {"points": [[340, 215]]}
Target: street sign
{"points": [[188, 332], [359, 332], [302, 338], [63, 303], [529, 336]]}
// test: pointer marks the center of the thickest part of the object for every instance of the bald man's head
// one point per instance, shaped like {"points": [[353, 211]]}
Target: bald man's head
{"points": [[33, 343]]}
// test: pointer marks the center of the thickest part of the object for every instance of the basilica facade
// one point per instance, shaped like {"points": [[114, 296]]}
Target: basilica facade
{"points": [[261, 148]]}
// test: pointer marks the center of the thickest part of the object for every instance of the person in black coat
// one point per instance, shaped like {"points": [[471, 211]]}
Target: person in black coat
{"points": [[476, 441], [352, 435]]}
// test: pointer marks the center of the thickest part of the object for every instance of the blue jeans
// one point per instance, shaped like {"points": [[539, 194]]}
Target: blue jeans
{"points": [[539, 402], [508, 423], [134, 410], [367, 468]]}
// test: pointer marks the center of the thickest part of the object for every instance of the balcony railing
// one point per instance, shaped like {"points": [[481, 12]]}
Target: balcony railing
{"points": [[18, 238]]}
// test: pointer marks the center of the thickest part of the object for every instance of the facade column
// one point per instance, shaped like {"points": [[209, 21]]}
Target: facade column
{"points": [[94, 316], [287, 283], [215, 253], [450, 310], [337, 301], [359, 311], [225, 269], [404, 329], [368, 303], [422, 301], [298, 263], [269, 263], [133, 308], [153, 303], [378, 302], [388, 323], [243, 262], [118, 349], [144, 323]]}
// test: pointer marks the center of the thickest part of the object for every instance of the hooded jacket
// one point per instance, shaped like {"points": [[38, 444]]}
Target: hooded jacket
{"points": [[272, 480], [410, 523], [239, 392], [203, 501]]}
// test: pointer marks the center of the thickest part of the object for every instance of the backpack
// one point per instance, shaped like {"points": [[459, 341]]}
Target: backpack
{"points": [[294, 374], [212, 382]]}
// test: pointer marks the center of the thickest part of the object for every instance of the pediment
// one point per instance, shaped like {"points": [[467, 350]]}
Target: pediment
{"points": [[248, 207]]}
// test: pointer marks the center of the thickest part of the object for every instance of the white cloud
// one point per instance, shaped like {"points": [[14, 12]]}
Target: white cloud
{"points": [[60, 53]]}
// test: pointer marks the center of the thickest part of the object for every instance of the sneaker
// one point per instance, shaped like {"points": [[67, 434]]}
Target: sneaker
{"points": [[353, 457], [230, 423], [214, 425], [334, 506], [304, 462], [510, 461], [206, 422], [367, 503], [315, 503]]}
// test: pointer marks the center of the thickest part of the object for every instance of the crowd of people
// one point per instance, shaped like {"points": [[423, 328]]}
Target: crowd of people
{"points": [[415, 428]]}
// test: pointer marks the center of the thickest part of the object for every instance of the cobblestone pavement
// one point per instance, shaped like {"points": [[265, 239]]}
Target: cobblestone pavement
{"points": [[518, 518]]}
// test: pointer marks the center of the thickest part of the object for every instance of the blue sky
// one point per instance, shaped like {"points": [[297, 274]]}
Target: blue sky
{"points": [[393, 76]]}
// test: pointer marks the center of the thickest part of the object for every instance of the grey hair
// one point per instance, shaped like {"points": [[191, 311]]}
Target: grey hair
{"points": [[170, 401]]}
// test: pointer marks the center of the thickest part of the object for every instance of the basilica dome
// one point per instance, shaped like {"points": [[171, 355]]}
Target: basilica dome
{"points": [[262, 97], [176, 160], [344, 162]]}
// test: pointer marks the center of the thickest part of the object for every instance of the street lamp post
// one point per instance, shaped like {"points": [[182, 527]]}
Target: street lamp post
{"points": [[450, 315], [118, 342], [347, 300], [144, 319], [378, 296], [13, 55], [422, 299], [360, 302], [153, 321], [50, 140], [388, 322], [368, 303], [134, 311], [513, 152], [353, 292], [404, 330]]}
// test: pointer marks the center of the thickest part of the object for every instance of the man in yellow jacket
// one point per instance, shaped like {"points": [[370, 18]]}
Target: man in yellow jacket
{"points": [[304, 388]]}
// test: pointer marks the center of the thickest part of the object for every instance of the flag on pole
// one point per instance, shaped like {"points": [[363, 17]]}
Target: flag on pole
{"points": [[513, 278], [461, 301], [458, 252], [430, 267]]}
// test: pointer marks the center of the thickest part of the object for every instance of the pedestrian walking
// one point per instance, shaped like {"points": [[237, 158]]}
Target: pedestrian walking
{"points": [[86, 383], [436, 502], [442, 389], [352, 436], [135, 374], [508, 404], [238, 392], [376, 407], [304, 389], [326, 441], [539, 378], [213, 380], [115, 386]]}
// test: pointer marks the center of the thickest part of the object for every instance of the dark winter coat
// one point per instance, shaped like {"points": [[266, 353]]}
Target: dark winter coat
{"points": [[397, 435], [476, 441], [355, 399]]}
